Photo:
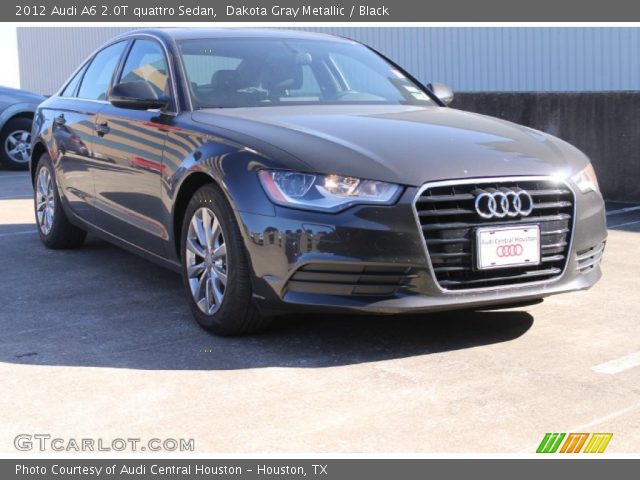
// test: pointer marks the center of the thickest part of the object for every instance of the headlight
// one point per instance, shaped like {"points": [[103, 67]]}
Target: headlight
{"points": [[586, 180], [328, 193]]}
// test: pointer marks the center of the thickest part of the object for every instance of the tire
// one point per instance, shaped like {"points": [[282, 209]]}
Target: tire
{"points": [[54, 228], [15, 144], [215, 270]]}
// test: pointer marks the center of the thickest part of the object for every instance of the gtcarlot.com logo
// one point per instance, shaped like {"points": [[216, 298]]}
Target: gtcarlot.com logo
{"points": [[574, 443], [43, 442]]}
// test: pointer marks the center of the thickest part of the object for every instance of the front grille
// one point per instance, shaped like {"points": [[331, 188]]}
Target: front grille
{"points": [[587, 260], [349, 280], [448, 219]]}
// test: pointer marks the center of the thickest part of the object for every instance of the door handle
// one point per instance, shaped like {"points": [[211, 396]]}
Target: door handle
{"points": [[60, 120], [102, 129]]}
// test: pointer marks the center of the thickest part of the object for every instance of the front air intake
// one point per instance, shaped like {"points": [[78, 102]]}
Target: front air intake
{"points": [[350, 280]]}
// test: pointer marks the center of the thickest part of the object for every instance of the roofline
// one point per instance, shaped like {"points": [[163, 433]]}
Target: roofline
{"points": [[186, 33]]}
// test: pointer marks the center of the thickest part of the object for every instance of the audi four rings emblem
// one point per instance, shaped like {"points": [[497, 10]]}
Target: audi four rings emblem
{"points": [[511, 250], [502, 203]]}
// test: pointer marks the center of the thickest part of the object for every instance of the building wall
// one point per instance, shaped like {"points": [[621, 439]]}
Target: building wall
{"points": [[473, 59], [469, 59], [604, 125], [49, 55]]}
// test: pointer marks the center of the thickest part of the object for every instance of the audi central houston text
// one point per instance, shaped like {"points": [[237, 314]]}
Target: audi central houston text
{"points": [[296, 172]]}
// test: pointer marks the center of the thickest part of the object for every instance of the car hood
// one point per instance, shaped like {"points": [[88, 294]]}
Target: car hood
{"points": [[401, 144]]}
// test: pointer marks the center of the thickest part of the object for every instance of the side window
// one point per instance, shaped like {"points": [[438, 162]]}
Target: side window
{"points": [[72, 86], [146, 62], [99, 73]]}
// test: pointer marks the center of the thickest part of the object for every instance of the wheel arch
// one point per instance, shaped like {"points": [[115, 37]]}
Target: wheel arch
{"points": [[14, 112], [232, 172], [186, 190], [36, 152], [24, 114]]}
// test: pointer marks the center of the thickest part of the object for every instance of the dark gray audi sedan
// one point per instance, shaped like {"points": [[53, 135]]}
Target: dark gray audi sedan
{"points": [[286, 171]]}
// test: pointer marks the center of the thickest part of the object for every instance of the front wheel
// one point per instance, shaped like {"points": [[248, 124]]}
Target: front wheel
{"points": [[216, 272]]}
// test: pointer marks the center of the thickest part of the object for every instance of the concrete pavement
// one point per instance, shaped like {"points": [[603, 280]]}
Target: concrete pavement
{"points": [[99, 343]]}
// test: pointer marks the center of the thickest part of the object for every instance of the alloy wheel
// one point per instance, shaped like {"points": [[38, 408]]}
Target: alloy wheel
{"points": [[17, 146], [206, 260], [45, 200]]}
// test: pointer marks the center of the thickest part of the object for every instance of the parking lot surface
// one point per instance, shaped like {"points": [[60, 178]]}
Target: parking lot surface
{"points": [[99, 343]]}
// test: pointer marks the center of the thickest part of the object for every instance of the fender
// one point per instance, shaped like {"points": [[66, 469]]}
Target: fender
{"points": [[218, 161]]}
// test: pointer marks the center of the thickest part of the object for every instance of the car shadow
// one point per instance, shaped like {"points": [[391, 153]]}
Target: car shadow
{"points": [[99, 306]]}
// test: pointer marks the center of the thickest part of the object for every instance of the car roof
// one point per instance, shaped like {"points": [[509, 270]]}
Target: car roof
{"points": [[230, 32]]}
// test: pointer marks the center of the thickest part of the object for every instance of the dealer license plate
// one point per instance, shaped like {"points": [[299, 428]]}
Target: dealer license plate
{"points": [[507, 246]]}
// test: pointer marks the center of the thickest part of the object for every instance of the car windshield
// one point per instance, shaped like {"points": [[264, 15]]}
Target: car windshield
{"points": [[253, 72]]}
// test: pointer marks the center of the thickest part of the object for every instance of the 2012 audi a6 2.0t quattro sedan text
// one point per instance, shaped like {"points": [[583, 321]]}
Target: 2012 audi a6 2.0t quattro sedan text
{"points": [[286, 171]]}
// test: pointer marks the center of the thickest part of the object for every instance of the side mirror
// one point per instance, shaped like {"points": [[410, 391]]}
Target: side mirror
{"points": [[442, 91], [138, 95]]}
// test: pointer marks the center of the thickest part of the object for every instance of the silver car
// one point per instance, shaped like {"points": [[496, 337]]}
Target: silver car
{"points": [[17, 108]]}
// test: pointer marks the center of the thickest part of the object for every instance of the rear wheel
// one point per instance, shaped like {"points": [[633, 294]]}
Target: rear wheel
{"points": [[53, 225], [216, 273], [15, 140]]}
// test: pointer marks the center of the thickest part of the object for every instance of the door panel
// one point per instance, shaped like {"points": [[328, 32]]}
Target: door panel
{"points": [[72, 135], [129, 148], [127, 172], [73, 128]]}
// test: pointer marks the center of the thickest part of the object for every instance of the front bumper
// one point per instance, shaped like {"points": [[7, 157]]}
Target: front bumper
{"points": [[373, 259]]}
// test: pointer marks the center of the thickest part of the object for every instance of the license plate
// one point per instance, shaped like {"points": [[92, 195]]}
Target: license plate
{"points": [[507, 246]]}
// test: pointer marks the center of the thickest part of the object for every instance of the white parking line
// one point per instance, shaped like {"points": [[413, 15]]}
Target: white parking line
{"points": [[13, 176], [21, 232], [16, 197], [624, 224], [620, 211], [605, 418], [619, 364]]}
